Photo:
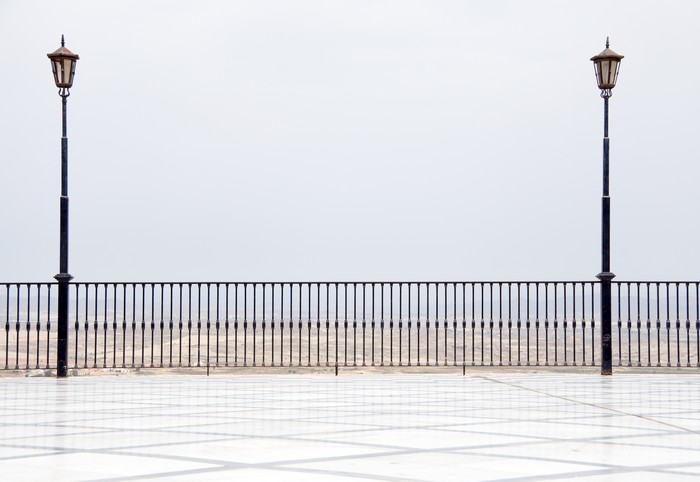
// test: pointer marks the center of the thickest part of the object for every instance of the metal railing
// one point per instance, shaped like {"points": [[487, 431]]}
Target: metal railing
{"points": [[294, 324]]}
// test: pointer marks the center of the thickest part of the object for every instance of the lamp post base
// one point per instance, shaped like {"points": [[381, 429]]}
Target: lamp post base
{"points": [[606, 322], [62, 343]]}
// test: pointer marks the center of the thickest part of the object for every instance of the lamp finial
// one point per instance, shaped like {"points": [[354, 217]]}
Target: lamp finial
{"points": [[607, 42], [63, 41]]}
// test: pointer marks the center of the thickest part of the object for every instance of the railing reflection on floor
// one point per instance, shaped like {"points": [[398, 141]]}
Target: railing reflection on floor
{"points": [[294, 324]]}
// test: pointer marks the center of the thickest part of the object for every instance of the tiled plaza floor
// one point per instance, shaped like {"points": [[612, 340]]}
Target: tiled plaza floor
{"points": [[400, 427]]}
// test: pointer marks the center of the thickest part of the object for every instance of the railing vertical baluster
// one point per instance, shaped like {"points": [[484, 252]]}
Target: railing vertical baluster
{"points": [[668, 326], [482, 321], [161, 322], [537, 323], [381, 326], [491, 324], [115, 326], [87, 326], [573, 324], [409, 325], [133, 324], [170, 325], [556, 324], [291, 324], [105, 287], [143, 323], [48, 327], [619, 326], [308, 325], [28, 326], [546, 324], [17, 322], [245, 324], [336, 325], [427, 323], [328, 322], [263, 322], [564, 323], [372, 340], [300, 325], [593, 285], [38, 324], [697, 321], [648, 325], [208, 323], [436, 319], [272, 324], [583, 324], [500, 324], [418, 316], [7, 327], [18, 288], [519, 320], [180, 323], [189, 324], [473, 337], [281, 324], [354, 324], [687, 322], [76, 327], [658, 326], [400, 323], [255, 319], [454, 326], [235, 324], [153, 319], [678, 327], [105, 326], [510, 325], [629, 324], [464, 325], [318, 324], [527, 322], [437, 323]]}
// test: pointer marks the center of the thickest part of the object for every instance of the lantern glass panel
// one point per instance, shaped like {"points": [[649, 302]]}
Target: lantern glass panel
{"points": [[607, 73], [68, 72], [58, 72]]}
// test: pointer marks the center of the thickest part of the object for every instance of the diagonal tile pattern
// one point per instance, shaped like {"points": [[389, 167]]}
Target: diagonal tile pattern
{"points": [[431, 427]]}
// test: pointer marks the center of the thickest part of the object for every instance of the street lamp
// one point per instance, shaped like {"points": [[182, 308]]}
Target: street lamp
{"points": [[607, 66], [63, 64]]}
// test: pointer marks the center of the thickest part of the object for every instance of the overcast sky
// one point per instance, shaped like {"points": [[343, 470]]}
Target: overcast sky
{"points": [[349, 140]]}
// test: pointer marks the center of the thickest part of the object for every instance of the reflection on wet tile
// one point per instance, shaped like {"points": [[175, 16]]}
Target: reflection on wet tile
{"points": [[353, 427]]}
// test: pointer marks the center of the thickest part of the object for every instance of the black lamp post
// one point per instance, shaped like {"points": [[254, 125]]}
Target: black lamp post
{"points": [[63, 64], [607, 66]]}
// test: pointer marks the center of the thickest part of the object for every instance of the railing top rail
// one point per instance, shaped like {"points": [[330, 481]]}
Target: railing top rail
{"points": [[314, 282], [353, 282]]}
